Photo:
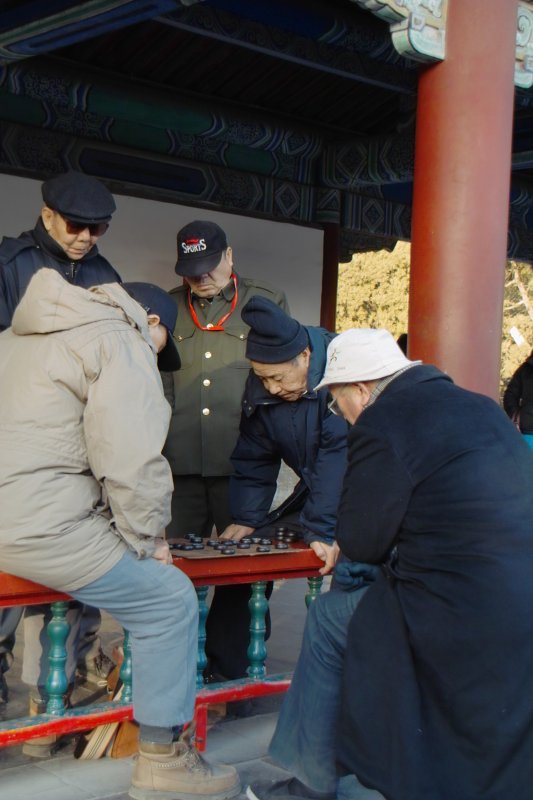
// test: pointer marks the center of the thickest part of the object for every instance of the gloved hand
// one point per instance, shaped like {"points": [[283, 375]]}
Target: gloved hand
{"points": [[351, 575]]}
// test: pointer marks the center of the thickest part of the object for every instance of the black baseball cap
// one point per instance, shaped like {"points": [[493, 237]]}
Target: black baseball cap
{"points": [[200, 247], [155, 300], [78, 197]]}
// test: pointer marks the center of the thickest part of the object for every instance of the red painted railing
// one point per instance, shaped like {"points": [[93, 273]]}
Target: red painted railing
{"points": [[216, 570]]}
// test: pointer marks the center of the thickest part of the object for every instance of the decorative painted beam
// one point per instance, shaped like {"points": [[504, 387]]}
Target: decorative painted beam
{"points": [[84, 20], [370, 161], [524, 45], [325, 49], [126, 114], [31, 151], [418, 27]]}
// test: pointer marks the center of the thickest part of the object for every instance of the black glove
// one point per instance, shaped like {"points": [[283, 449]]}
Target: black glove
{"points": [[350, 575]]}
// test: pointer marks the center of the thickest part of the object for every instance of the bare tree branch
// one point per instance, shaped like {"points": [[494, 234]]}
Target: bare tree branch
{"points": [[522, 290]]}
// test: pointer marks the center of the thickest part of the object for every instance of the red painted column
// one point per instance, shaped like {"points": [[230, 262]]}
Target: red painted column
{"points": [[330, 276], [461, 195]]}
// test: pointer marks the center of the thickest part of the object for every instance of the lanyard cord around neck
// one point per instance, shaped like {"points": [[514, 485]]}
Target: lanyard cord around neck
{"points": [[220, 324]]}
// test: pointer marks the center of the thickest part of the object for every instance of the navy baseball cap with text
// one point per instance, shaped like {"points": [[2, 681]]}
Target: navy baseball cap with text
{"points": [[200, 247]]}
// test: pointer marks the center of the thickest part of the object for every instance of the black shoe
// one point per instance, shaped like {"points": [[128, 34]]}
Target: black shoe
{"points": [[214, 677], [288, 789]]}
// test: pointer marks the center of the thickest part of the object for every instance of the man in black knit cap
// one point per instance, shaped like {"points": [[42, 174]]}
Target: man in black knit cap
{"points": [[284, 419]]}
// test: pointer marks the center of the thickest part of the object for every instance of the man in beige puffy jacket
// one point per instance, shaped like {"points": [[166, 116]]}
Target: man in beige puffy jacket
{"points": [[85, 496]]}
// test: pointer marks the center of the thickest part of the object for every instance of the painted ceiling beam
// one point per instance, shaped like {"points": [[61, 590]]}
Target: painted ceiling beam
{"points": [[324, 49], [54, 97], [44, 32], [352, 30]]}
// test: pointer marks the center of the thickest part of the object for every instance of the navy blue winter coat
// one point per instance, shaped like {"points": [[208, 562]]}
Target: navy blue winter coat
{"points": [[305, 435], [21, 257], [438, 690]]}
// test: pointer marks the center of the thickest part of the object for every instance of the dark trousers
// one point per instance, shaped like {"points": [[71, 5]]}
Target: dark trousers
{"points": [[197, 504]]}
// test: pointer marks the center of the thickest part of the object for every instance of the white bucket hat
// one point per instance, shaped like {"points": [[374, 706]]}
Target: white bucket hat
{"points": [[362, 354]]}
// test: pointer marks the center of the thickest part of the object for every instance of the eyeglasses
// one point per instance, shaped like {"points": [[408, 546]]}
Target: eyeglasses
{"points": [[95, 228], [333, 406]]}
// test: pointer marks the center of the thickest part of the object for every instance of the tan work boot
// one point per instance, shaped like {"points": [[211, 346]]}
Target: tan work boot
{"points": [[41, 746], [177, 770]]}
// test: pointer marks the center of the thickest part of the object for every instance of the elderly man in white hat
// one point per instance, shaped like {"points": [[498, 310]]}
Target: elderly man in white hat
{"points": [[416, 681]]}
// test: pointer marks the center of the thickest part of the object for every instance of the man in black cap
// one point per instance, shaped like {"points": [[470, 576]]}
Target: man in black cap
{"points": [[284, 419], [205, 396], [76, 212]]}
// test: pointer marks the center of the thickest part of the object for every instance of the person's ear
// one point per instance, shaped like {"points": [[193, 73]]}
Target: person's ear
{"points": [[229, 256], [153, 320], [364, 391], [47, 216]]}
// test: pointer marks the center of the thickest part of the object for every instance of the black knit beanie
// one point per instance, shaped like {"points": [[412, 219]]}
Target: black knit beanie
{"points": [[274, 337]]}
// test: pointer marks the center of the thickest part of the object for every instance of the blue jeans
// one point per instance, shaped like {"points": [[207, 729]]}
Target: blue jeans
{"points": [[157, 604], [305, 736]]}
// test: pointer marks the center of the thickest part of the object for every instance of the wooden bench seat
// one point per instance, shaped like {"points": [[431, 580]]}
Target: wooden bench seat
{"points": [[203, 572]]}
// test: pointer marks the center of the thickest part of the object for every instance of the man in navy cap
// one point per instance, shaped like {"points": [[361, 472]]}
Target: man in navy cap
{"points": [[205, 396], [285, 419], [76, 212], [85, 498]]}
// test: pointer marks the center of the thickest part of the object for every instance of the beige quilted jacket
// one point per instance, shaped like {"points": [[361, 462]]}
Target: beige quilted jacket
{"points": [[83, 420]]}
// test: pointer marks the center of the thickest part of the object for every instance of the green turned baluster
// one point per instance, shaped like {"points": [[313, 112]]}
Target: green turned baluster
{"points": [[56, 682], [258, 605], [201, 660], [315, 585], [126, 671]]}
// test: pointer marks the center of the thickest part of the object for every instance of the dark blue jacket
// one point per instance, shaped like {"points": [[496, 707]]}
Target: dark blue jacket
{"points": [[20, 259], [438, 690], [303, 434], [518, 397]]}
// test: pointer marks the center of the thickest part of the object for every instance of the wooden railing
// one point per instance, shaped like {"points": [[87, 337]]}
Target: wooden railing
{"points": [[203, 572]]}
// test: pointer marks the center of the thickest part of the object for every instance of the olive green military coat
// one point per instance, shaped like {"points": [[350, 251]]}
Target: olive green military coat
{"points": [[205, 394]]}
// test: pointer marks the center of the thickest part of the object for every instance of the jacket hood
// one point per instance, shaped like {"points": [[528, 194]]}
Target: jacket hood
{"points": [[255, 393], [12, 246], [51, 304]]}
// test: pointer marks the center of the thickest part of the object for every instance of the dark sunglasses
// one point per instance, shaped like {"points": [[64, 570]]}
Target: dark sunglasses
{"points": [[95, 228]]}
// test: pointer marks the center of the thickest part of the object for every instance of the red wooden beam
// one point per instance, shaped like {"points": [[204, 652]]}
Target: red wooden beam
{"points": [[216, 570]]}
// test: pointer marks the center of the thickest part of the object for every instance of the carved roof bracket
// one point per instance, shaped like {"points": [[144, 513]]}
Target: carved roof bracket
{"points": [[523, 75], [418, 31], [418, 27]]}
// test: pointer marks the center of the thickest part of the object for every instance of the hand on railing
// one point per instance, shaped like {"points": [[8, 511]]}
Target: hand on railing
{"points": [[328, 553]]}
